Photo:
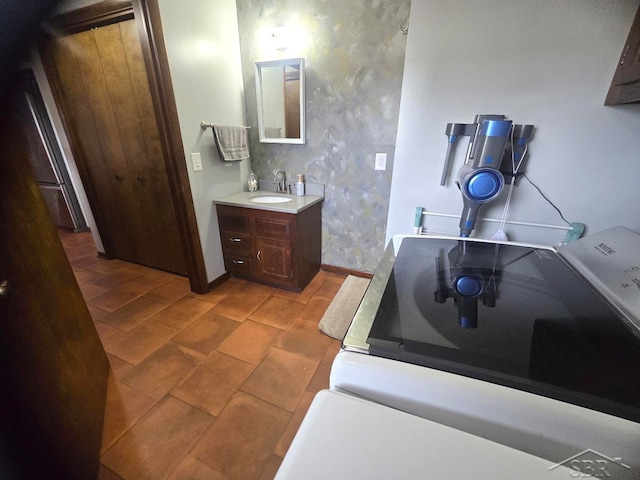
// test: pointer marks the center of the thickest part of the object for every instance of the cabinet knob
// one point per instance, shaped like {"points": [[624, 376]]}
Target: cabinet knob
{"points": [[239, 262], [140, 180]]}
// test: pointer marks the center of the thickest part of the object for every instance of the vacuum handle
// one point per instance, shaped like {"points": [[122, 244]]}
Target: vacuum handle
{"points": [[453, 131]]}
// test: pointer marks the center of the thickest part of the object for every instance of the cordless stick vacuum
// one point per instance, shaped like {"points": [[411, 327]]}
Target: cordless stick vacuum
{"points": [[480, 178]]}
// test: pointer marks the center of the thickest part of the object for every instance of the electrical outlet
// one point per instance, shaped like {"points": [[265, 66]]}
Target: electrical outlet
{"points": [[381, 161], [196, 159]]}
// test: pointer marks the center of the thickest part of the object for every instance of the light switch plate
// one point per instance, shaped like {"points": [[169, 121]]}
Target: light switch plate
{"points": [[196, 159], [381, 161]]}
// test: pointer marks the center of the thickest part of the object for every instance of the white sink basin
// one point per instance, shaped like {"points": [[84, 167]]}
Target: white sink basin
{"points": [[270, 199]]}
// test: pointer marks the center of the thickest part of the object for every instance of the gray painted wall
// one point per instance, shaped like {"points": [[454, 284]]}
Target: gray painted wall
{"points": [[354, 53], [548, 63], [204, 59]]}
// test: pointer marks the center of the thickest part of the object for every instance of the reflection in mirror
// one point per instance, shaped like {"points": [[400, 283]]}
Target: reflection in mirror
{"points": [[280, 99]]}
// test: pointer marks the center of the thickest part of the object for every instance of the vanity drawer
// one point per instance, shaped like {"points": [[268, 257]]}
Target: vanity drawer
{"points": [[272, 227], [236, 241], [231, 219], [238, 264]]}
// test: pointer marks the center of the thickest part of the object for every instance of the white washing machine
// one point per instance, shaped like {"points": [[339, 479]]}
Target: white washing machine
{"points": [[498, 350]]}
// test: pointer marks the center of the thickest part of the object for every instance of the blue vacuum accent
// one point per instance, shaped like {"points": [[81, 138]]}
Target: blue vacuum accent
{"points": [[484, 185], [468, 286], [496, 128]]}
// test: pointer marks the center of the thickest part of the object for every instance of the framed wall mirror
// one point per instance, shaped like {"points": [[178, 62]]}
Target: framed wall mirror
{"points": [[280, 100]]}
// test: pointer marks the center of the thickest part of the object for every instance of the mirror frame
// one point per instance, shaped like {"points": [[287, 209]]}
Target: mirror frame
{"points": [[298, 62]]}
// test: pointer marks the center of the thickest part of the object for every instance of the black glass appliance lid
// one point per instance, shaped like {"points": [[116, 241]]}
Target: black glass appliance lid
{"points": [[509, 314]]}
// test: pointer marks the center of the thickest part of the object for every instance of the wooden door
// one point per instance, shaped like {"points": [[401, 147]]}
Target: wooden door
{"points": [[292, 104], [53, 369], [104, 96]]}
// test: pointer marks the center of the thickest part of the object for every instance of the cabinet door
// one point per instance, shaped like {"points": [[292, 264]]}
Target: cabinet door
{"points": [[274, 260], [625, 87], [273, 233], [105, 98]]}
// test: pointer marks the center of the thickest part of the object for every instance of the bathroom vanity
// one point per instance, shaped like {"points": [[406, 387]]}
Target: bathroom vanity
{"points": [[270, 238]]}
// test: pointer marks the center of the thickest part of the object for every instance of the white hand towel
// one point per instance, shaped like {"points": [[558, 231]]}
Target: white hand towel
{"points": [[232, 142]]}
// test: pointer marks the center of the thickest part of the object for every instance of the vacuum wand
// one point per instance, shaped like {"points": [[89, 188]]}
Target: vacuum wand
{"points": [[453, 132]]}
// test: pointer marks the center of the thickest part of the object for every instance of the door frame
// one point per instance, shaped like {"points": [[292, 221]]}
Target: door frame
{"points": [[147, 16]]}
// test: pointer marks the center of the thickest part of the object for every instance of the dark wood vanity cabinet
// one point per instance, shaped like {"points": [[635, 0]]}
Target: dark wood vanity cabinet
{"points": [[274, 248], [625, 87]]}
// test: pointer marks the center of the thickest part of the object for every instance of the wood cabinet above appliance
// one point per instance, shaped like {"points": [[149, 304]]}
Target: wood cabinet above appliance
{"points": [[625, 87]]}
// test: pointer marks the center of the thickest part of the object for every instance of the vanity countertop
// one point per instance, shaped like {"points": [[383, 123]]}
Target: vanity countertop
{"points": [[294, 205]]}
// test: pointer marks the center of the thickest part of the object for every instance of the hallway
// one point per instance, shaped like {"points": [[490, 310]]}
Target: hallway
{"points": [[202, 386]]}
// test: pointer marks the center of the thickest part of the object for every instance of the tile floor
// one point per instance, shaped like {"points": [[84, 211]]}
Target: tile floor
{"points": [[207, 386]]}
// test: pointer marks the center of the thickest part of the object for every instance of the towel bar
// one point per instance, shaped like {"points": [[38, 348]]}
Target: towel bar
{"points": [[205, 125]]}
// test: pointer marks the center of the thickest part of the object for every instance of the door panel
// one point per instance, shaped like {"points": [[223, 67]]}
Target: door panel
{"points": [[159, 207], [274, 263], [53, 369], [96, 177], [103, 68]]}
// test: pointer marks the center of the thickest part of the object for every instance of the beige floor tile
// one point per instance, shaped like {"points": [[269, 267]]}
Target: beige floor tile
{"points": [[212, 297], [320, 379], [212, 384], [158, 442], [193, 469], [112, 266], [314, 310], [90, 291], [152, 278], [117, 297], [238, 306], [257, 289], [281, 378], [96, 313], [169, 292], [306, 294], [142, 341], [107, 333], [304, 338], [119, 368], [86, 275], [277, 312], [157, 374], [331, 285], [183, 312], [106, 474], [133, 314], [206, 333], [85, 261], [271, 469], [117, 278], [241, 442], [250, 341], [125, 406], [294, 424], [232, 285], [144, 439]]}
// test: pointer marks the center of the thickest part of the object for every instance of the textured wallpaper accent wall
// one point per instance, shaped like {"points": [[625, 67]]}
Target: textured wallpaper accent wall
{"points": [[354, 52]]}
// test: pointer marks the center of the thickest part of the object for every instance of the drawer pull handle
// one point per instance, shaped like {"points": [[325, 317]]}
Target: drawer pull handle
{"points": [[258, 256], [239, 262], [235, 239]]}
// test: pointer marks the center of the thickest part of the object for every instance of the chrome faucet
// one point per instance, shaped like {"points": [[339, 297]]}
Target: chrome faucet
{"points": [[279, 178]]}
